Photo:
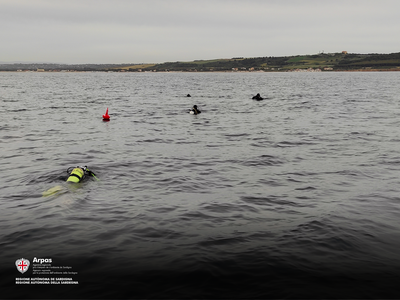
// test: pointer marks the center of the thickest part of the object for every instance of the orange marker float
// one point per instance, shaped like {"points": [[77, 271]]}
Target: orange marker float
{"points": [[106, 117]]}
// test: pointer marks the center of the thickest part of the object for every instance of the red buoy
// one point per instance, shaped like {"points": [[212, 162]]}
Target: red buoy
{"points": [[106, 117]]}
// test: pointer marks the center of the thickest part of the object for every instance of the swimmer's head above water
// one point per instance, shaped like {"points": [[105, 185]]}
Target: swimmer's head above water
{"points": [[194, 110]]}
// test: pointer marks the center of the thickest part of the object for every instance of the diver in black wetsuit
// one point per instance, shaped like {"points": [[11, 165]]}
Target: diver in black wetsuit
{"points": [[258, 97], [194, 110]]}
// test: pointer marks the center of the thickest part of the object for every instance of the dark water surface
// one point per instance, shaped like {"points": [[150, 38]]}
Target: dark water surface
{"points": [[295, 196]]}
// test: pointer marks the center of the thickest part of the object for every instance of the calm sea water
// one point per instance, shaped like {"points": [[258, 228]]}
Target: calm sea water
{"points": [[295, 196]]}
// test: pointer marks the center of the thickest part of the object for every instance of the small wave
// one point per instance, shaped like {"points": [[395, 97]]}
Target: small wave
{"points": [[227, 208], [307, 188], [263, 160], [284, 144], [272, 201], [221, 241]]}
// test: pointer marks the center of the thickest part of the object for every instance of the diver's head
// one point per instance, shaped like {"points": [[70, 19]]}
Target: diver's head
{"points": [[195, 106]]}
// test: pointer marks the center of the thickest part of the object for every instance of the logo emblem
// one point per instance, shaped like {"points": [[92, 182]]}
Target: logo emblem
{"points": [[22, 265]]}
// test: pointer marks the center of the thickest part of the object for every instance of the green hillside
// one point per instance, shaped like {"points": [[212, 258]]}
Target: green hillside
{"points": [[323, 61]]}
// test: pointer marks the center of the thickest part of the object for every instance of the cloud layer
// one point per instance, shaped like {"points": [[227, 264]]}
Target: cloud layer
{"points": [[126, 31]]}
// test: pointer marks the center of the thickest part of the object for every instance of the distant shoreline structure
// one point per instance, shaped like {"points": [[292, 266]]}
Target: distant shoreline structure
{"points": [[321, 62]]}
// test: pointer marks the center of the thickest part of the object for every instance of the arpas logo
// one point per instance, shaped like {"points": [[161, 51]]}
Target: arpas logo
{"points": [[22, 265]]}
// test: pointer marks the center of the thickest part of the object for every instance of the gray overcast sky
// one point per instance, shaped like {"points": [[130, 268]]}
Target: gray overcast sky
{"points": [[136, 31]]}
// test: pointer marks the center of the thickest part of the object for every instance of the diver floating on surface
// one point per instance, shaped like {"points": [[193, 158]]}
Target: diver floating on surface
{"points": [[257, 97], [75, 175], [194, 110]]}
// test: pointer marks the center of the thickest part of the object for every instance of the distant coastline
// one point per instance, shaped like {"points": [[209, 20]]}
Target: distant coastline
{"points": [[321, 62]]}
